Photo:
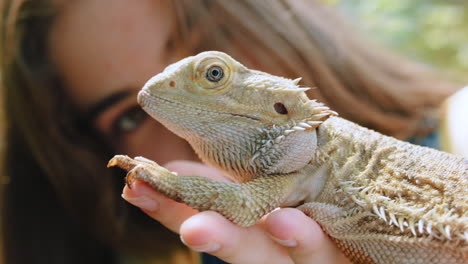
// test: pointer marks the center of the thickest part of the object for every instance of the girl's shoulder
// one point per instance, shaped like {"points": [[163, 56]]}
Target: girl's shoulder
{"points": [[454, 123]]}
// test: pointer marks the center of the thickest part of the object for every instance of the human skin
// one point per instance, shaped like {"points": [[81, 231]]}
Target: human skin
{"points": [[108, 47]]}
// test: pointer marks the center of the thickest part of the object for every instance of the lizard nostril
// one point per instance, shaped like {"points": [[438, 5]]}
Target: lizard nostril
{"points": [[171, 83]]}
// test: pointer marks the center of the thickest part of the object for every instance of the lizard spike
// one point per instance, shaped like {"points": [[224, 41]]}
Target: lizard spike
{"points": [[441, 230], [416, 210], [446, 232], [393, 219], [385, 198], [300, 89], [298, 128], [365, 190], [314, 123], [346, 182], [356, 200], [297, 80], [412, 226], [376, 210], [311, 104], [382, 214], [401, 223], [321, 115], [305, 125], [288, 131], [466, 235], [333, 112], [421, 226], [355, 188], [321, 108], [279, 139], [429, 228]]}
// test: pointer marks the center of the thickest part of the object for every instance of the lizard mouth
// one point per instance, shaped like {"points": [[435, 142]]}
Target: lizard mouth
{"points": [[149, 101]]}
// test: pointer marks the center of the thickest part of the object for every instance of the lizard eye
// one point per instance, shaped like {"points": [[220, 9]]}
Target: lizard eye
{"points": [[214, 74]]}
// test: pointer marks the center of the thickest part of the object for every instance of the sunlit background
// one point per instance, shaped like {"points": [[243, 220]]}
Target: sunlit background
{"points": [[433, 31]]}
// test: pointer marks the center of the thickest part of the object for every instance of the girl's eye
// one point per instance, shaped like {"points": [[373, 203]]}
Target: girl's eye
{"points": [[129, 120]]}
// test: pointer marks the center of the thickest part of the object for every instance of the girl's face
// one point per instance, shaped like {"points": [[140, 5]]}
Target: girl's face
{"points": [[105, 51]]}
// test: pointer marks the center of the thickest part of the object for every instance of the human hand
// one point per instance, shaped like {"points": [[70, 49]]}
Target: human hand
{"points": [[283, 236]]}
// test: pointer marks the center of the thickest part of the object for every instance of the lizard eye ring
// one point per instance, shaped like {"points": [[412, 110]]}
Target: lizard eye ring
{"points": [[214, 74]]}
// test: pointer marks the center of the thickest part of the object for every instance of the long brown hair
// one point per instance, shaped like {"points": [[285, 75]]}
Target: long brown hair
{"points": [[58, 190], [359, 80], [60, 204]]}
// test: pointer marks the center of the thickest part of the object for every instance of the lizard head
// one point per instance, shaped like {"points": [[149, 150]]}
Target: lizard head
{"points": [[245, 122]]}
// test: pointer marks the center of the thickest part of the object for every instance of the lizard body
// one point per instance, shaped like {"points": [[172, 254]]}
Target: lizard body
{"points": [[381, 200]]}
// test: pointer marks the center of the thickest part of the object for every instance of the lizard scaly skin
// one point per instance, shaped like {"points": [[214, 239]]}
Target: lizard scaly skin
{"points": [[381, 200]]}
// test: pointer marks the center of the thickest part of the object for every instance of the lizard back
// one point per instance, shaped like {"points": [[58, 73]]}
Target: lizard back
{"points": [[385, 195]]}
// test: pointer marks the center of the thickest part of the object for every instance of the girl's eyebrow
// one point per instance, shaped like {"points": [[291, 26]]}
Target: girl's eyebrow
{"points": [[106, 103]]}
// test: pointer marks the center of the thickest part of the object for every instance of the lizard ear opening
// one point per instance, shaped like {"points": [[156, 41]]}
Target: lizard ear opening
{"points": [[280, 108]]}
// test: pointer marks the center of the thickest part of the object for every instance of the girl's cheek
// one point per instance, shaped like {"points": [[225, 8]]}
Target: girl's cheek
{"points": [[152, 140]]}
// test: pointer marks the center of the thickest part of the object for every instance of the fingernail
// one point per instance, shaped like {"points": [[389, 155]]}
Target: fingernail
{"points": [[208, 247], [144, 202], [286, 243]]}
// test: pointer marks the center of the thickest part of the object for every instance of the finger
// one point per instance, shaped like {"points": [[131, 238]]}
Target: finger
{"points": [[303, 237], [164, 210], [210, 232], [168, 212]]}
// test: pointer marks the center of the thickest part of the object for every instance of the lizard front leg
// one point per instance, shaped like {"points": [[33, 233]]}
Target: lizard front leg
{"points": [[244, 204]]}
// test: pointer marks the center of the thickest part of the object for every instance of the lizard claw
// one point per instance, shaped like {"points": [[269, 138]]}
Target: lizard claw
{"points": [[135, 167], [123, 162], [140, 168]]}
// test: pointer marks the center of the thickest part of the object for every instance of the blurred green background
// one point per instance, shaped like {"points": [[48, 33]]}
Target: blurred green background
{"points": [[432, 31]]}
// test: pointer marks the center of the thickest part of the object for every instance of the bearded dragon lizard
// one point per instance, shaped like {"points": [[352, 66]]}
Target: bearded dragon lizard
{"points": [[380, 200]]}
